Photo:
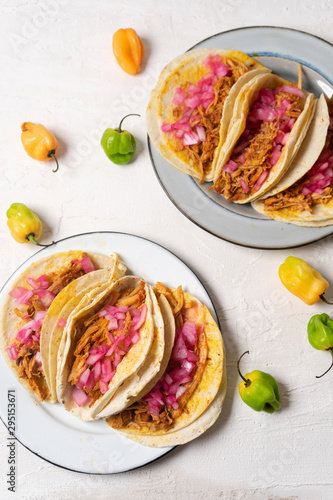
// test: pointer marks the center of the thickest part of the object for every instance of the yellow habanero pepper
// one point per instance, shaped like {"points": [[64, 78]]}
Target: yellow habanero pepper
{"points": [[39, 142], [302, 280], [128, 50], [24, 225]]}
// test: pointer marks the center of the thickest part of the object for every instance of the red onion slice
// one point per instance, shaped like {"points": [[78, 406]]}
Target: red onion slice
{"points": [[46, 297], [79, 396], [22, 295], [244, 185], [113, 347], [290, 89], [93, 358], [138, 321], [103, 386], [87, 265], [83, 379], [261, 179], [12, 352], [230, 167]]}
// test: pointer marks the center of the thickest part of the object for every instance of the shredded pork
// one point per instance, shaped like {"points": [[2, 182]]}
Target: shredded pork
{"points": [[293, 197], [93, 332], [27, 366], [137, 415], [257, 155], [31, 371], [203, 153]]}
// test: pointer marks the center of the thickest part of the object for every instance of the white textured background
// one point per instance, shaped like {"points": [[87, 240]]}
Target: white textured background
{"points": [[57, 68]]}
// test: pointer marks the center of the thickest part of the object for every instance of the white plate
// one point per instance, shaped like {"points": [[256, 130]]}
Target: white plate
{"points": [[51, 432], [278, 49]]}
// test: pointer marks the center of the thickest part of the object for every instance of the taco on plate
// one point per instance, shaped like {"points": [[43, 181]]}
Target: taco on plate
{"points": [[270, 119], [191, 106], [30, 312], [305, 197], [106, 345], [188, 397]]}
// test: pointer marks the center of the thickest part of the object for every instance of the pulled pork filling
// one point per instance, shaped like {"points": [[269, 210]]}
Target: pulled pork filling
{"points": [[167, 400], [29, 368], [269, 123], [25, 349], [315, 187], [104, 339], [199, 109]]}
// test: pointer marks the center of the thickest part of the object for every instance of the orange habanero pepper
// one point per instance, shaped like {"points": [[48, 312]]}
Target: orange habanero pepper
{"points": [[39, 142], [128, 50]]}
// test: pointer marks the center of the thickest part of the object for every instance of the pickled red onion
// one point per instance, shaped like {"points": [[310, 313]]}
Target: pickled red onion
{"points": [[46, 297], [22, 295], [174, 378], [138, 321], [12, 352], [79, 396], [200, 94], [244, 185], [261, 179], [230, 167], [290, 89]]}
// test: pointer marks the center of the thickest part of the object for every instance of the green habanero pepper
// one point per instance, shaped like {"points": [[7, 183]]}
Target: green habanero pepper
{"points": [[119, 145], [24, 225], [320, 335], [259, 390]]}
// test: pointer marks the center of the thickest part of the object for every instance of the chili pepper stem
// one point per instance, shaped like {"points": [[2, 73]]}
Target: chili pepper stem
{"points": [[247, 381], [319, 376], [120, 124], [52, 155], [324, 300], [31, 238]]}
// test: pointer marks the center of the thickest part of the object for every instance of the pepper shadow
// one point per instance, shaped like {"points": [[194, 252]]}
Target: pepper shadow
{"points": [[284, 393], [148, 50], [46, 236], [140, 148], [63, 148]]}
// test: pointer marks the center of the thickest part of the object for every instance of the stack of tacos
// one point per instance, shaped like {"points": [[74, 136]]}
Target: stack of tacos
{"points": [[218, 115], [187, 398], [149, 360], [34, 313]]}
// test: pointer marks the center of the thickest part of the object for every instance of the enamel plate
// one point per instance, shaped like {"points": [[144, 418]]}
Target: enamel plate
{"points": [[51, 432], [280, 49]]}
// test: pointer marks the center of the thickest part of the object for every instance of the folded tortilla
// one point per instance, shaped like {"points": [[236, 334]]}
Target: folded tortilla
{"points": [[194, 95], [199, 400], [30, 312], [296, 199], [89, 330], [248, 168], [64, 305], [139, 384]]}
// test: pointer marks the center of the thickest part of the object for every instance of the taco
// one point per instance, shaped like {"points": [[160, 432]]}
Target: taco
{"points": [[63, 306], [106, 342], [270, 119], [35, 299], [188, 398], [191, 106], [306, 196], [140, 383]]}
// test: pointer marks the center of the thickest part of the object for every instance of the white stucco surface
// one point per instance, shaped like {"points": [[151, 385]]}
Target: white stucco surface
{"points": [[58, 68]]}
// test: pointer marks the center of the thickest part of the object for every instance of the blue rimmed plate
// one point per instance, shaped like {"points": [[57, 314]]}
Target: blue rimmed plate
{"points": [[279, 49]]}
